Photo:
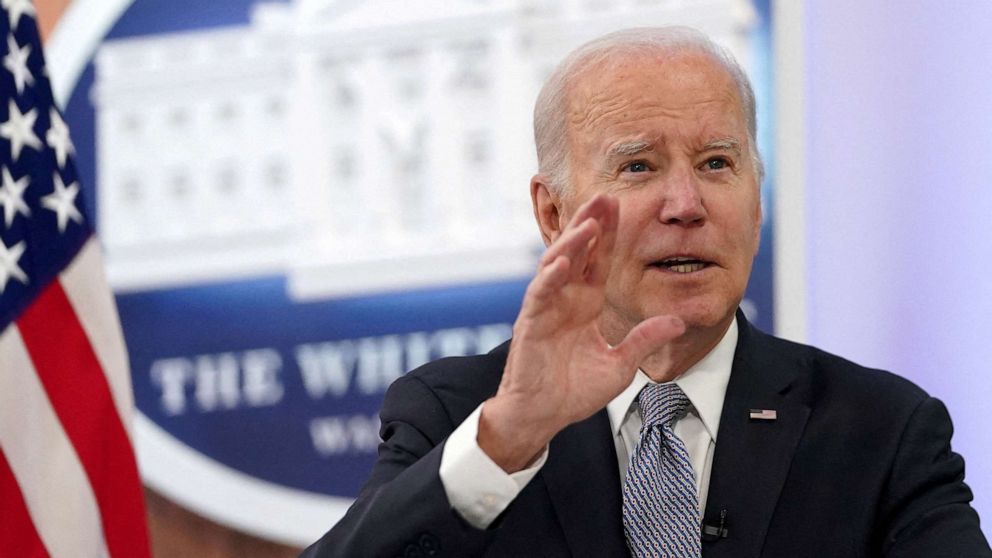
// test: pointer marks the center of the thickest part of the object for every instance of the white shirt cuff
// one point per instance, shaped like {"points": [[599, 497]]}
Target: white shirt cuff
{"points": [[477, 487]]}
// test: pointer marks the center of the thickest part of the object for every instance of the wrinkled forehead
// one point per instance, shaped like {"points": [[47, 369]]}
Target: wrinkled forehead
{"points": [[610, 85]]}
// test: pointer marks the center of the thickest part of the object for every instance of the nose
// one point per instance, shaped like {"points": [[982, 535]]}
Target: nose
{"points": [[681, 201]]}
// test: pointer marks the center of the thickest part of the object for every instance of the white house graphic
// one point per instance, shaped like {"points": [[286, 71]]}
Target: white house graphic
{"points": [[352, 146]]}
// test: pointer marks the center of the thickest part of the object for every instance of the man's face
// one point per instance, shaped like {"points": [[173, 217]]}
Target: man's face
{"points": [[665, 135]]}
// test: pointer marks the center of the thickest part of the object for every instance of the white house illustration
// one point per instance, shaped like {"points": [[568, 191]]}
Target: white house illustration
{"points": [[352, 146]]}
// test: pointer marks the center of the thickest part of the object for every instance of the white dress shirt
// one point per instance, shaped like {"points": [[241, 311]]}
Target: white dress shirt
{"points": [[480, 490]]}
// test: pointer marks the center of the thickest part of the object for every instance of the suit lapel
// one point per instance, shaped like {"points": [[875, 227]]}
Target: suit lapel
{"points": [[584, 484], [752, 457]]}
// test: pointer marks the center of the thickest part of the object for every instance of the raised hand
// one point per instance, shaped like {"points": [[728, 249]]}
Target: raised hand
{"points": [[560, 368]]}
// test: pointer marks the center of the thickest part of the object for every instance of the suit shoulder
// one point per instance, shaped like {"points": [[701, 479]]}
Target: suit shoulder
{"points": [[828, 372], [460, 384], [482, 371]]}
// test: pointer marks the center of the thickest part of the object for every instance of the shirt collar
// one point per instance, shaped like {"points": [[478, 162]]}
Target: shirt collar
{"points": [[704, 383]]}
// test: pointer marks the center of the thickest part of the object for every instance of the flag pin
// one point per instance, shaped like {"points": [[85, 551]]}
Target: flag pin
{"points": [[763, 414]]}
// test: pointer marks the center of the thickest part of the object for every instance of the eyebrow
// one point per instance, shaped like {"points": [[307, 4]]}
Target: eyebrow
{"points": [[726, 144], [627, 148]]}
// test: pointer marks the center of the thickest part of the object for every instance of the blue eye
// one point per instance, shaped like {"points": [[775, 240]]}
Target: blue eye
{"points": [[636, 166], [716, 164]]}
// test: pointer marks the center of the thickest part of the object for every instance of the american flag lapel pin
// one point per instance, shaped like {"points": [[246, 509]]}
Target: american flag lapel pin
{"points": [[763, 414]]}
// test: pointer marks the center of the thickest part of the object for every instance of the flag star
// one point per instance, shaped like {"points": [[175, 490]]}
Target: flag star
{"points": [[19, 130], [17, 8], [58, 137], [12, 197], [16, 62], [63, 202], [8, 264]]}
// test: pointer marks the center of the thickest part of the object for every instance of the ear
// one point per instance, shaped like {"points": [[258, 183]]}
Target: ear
{"points": [[547, 208]]}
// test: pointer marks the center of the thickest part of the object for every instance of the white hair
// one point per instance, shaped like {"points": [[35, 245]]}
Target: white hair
{"points": [[550, 119]]}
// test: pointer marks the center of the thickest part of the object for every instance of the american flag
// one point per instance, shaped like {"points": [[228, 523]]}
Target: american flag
{"points": [[69, 482], [763, 414]]}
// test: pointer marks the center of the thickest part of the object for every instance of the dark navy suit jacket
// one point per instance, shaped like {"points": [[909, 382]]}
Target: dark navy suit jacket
{"points": [[857, 464]]}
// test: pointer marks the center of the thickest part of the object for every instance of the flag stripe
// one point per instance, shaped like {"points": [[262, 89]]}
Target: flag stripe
{"points": [[65, 402], [52, 481], [84, 284], [57, 344], [18, 536]]}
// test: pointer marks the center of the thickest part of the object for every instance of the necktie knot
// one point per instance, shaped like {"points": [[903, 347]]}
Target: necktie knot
{"points": [[662, 404]]}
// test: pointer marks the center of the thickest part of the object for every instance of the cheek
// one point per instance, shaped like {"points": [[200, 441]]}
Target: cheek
{"points": [[742, 222], [622, 259], [630, 234]]}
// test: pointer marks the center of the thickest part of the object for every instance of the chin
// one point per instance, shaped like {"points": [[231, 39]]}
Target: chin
{"points": [[700, 316], [698, 313]]}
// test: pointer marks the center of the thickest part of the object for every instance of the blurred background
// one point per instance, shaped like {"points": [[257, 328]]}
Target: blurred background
{"points": [[302, 199]]}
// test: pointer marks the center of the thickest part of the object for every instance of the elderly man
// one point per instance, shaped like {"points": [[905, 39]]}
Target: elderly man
{"points": [[635, 410]]}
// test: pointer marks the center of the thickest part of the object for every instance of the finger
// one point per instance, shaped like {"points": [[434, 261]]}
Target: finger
{"points": [[572, 244], [648, 337], [544, 286], [581, 255], [596, 208], [602, 210], [597, 267]]}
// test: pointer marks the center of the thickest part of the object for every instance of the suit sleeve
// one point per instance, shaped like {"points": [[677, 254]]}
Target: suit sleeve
{"points": [[927, 502], [402, 510]]}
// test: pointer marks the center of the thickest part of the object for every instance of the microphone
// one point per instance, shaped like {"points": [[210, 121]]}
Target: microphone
{"points": [[716, 532]]}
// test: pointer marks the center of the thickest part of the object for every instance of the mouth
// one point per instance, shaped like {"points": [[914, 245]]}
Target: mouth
{"points": [[683, 265]]}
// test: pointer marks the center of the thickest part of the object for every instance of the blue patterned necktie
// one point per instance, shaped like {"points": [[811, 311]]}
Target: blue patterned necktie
{"points": [[660, 503]]}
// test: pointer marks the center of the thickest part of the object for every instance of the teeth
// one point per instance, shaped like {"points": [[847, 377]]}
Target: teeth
{"points": [[683, 264], [687, 268]]}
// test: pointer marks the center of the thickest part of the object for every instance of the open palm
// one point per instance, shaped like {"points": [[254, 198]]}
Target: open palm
{"points": [[560, 368]]}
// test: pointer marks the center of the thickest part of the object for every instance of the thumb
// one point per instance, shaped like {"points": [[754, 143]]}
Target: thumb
{"points": [[648, 337]]}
